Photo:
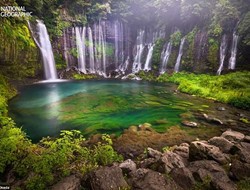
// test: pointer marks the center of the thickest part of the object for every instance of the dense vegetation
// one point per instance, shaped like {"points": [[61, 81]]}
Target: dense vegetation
{"points": [[50, 159], [231, 88]]}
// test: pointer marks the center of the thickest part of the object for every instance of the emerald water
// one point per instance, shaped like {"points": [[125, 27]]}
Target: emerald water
{"points": [[95, 107]]}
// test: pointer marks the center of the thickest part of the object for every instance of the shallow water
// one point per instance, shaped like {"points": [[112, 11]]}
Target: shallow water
{"points": [[95, 107]]}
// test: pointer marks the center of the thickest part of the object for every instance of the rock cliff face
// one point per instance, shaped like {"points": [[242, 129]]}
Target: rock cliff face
{"points": [[200, 164]]}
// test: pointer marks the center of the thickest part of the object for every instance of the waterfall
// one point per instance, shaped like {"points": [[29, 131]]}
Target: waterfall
{"points": [[123, 67], [80, 43], [46, 51], [139, 50], [65, 49], [103, 44], [116, 43], [147, 66], [223, 48], [91, 52], [178, 61], [165, 58], [232, 60]]}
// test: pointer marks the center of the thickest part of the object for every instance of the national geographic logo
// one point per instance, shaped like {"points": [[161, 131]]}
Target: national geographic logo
{"points": [[14, 11]]}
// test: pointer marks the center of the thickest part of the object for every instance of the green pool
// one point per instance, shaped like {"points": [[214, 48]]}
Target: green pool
{"points": [[106, 106]]}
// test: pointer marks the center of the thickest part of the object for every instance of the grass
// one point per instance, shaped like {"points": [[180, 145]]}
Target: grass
{"points": [[231, 88]]}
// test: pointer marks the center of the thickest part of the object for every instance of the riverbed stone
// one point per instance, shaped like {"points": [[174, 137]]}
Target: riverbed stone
{"points": [[200, 150], [145, 179], [189, 123], [209, 171], [233, 136], [224, 144], [107, 178], [69, 183], [221, 109]]}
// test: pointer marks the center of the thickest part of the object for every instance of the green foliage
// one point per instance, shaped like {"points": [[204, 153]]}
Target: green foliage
{"points": [[204, 185], [231, 88], [243, 184], [175, 38], [17, 49], [213, 53], [149, 76], [156, 57], [244, 120], [244, 28], [83, 76]]}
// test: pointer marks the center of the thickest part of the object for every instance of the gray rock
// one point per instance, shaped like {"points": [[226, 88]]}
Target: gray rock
{"points": [[247, 139], [189, 123], [149, 163], [224, 145], [183, 177], [212, 119], [244, 151], [216, 120], [68, 183], [240, 170], [221, 108], [145, 179], [107, 178], [154, 153], [172, 160], [233, 136], [182, 150], [209, 170], [128, 166], [200, 150]]}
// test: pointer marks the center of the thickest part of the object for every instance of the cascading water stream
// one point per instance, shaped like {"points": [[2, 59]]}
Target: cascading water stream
{"points": [[178, 61], [223, 48], [147, 65], [165, 58], [46, 51], [232, 60], [91, 51], [80, 42], [137, 65]]}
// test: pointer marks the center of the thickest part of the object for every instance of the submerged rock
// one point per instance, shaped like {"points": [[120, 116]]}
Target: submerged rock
{"points": [[212, 119], [190, 123]]}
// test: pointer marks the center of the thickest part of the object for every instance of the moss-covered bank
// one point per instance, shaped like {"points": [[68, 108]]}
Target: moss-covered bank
{"points": [[230, 88]]}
